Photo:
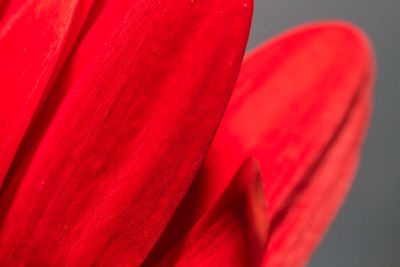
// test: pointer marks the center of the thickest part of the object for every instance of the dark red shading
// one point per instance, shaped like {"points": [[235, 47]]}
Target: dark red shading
{"points": [[36, 37], [300, 107], [233, 232], [122, 133]]}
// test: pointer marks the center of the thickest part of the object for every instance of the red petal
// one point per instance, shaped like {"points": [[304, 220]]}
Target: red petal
{"points": [[233, 232], [100, 177], [34, 44], [300, 222], [9, 8], [301, 108]]}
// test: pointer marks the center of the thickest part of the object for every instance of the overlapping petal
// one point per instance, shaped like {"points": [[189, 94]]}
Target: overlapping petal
{"points": [[300, 106], [36, 37], [122, 132], [233, 232]]}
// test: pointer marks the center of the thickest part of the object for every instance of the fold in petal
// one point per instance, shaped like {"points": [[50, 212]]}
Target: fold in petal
{"points": [[299, 224], [99, 178], [8, 8], [301, 106], [34, 43], [233, 232]]}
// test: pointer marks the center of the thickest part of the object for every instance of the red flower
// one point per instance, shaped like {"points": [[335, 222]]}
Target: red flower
{"points": [[107, 112]]}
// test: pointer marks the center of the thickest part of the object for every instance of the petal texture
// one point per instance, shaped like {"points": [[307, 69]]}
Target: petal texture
{"points": [[117, 144], [34, 43], [233, 232], [301, 106]]}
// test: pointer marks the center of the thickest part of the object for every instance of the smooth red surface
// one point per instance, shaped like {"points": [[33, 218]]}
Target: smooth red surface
{"points": [[300, 107], [119, 137]]}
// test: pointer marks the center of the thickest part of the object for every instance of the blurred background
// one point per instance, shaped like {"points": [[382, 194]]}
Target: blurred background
{"points": [[367, 230]]}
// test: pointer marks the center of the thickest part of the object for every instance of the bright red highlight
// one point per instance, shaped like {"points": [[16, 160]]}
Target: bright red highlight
{"points": [[116, 150]]}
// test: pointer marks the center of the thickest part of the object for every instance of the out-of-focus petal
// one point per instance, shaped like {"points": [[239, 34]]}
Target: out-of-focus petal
{"points": [[301, 106], [103, 170], [233, 232], [34, 43], [300, 222]]}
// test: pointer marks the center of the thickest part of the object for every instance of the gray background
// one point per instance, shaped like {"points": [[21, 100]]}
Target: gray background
{"points": [[367, 230]]}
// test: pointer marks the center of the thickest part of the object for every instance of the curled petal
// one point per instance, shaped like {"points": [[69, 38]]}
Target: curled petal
{"points": [[300, 107], [233, 232]]}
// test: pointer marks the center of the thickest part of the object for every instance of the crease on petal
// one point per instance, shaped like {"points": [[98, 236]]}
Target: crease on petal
{"points": [[34, 44], [309, 209], [233, 232], [8, 8], [99, 182], [294, 100]]}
